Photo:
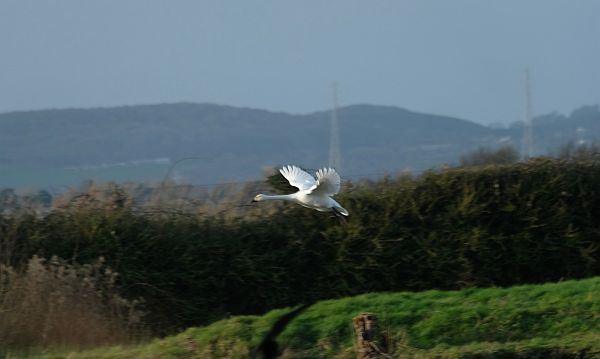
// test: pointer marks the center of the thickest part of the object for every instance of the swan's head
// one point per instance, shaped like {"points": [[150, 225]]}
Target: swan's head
{"points": [[258, 198]]}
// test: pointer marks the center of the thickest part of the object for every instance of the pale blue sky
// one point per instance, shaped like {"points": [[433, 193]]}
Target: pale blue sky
{"points": [[463, 58]]}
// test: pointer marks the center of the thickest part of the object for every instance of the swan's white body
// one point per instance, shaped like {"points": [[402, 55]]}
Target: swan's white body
{"points": [[315, 194]]}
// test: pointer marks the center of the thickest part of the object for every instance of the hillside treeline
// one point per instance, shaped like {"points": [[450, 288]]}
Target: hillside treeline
{"points": [[498, 225]]}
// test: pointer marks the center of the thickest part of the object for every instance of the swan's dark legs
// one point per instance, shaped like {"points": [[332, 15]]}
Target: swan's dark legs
{"points": [[339, 215]]}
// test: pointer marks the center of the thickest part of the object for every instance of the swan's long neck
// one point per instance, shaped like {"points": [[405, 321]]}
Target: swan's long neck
{"points": [[285, 197]]}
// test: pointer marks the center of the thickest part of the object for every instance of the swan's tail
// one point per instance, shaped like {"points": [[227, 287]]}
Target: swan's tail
{"points": [[341, 210]]}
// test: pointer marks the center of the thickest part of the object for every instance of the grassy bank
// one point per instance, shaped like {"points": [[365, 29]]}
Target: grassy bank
{"points": [[534, 321]]}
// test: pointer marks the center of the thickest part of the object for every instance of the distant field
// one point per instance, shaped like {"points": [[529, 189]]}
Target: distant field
{"points": [[531, 321], [24, 177]]}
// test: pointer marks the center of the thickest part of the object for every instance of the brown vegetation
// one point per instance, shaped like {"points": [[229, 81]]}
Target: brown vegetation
{"points": [[52, 303]]}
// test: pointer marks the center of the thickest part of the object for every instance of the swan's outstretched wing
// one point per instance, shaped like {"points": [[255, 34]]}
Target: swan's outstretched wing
{"points": [[328, 182], [298, 178]]}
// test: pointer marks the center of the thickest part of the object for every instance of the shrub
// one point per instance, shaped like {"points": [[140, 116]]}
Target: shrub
{"points": [[579, 152], [55, 304], [486, 156]]}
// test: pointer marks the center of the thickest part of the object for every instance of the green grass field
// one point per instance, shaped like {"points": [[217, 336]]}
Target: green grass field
{"points": [[530, 321]]}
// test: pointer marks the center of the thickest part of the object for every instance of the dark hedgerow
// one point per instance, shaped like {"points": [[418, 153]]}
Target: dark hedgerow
{"points": [[498, 225]]}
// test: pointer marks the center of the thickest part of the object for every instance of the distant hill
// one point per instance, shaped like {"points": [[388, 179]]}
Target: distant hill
{"points": [[224, 143]]}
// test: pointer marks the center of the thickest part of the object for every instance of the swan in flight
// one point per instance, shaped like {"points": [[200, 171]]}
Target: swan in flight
{"points": [[315, 194]]}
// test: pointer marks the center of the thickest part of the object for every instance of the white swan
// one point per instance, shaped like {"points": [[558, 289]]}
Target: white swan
{"points": [[315, 194]]}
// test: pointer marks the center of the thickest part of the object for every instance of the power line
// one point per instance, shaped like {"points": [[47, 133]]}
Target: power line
{"points": [[334, 137], [172, 166], [528, 118]]}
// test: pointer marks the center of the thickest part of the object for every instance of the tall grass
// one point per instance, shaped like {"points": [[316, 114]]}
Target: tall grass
{"points": [[52, 304]]}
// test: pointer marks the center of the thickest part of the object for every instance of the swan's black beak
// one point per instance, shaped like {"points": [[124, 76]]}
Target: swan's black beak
{"points": [[253, 200]]}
